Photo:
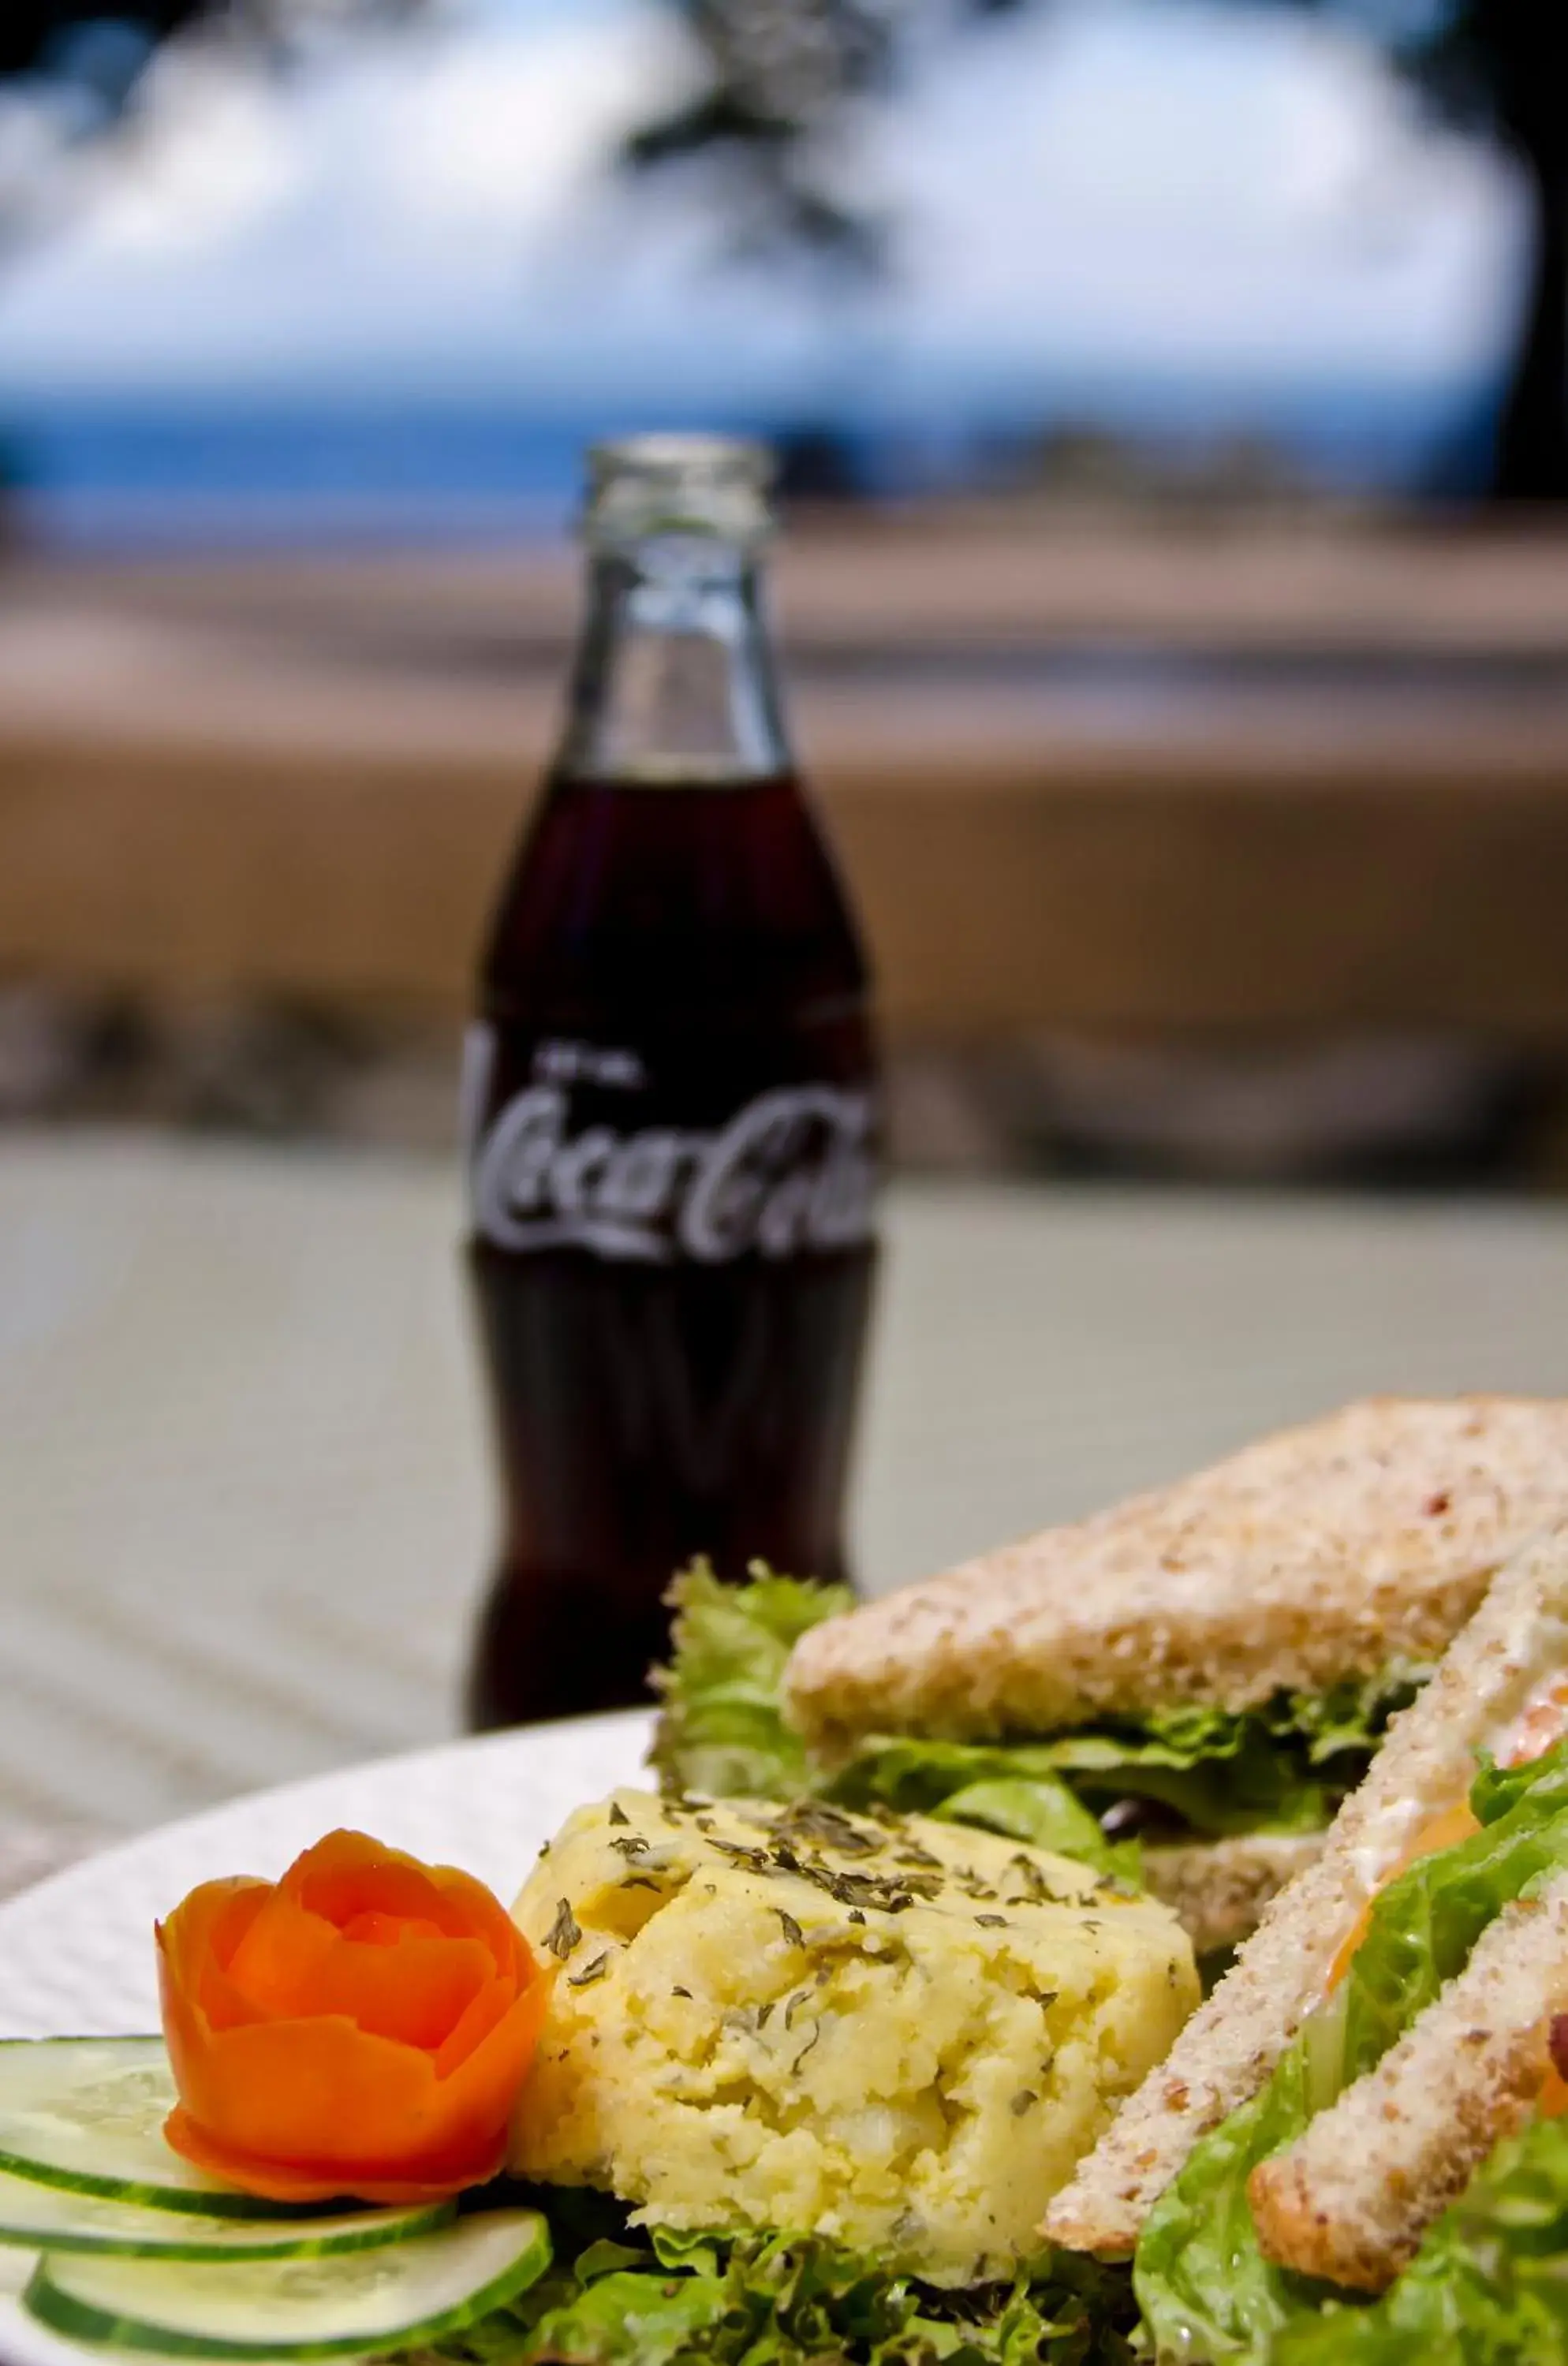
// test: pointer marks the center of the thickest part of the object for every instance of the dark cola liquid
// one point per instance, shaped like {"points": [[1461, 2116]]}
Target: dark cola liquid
{"points": [[673, 1130]]}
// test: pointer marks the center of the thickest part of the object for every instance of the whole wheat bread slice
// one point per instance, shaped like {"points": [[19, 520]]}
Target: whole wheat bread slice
{"points": [[1351, 2199], [1321, 1554], [1517, 1638], [1220, 1887]]}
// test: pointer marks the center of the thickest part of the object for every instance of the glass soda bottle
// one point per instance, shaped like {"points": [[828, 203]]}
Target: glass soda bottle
{"points": [[671, 1113]]}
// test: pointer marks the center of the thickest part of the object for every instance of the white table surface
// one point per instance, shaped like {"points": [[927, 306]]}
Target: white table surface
{"points": [[242, 1462]]}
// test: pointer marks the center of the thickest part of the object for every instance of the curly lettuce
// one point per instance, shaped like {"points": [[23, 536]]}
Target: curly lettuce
{"points": [[1206, 2288], [721, 1731], [620, 2296], [1282, 1767]]}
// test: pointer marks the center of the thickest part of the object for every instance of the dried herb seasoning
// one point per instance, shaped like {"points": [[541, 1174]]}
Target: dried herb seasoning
{"points": [[913, 1852], [814, 2040], [755, 1859], [813, 1820], [564, 1932]]}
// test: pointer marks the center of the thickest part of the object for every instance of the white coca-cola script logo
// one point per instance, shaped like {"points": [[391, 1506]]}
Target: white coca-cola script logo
{"points": [[794, 1169]]}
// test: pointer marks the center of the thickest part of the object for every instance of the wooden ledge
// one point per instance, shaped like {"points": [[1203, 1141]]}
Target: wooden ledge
{"points": [[307, 780]]}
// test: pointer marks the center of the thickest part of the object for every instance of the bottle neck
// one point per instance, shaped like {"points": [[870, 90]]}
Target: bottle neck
{"points": [[673, 681]]}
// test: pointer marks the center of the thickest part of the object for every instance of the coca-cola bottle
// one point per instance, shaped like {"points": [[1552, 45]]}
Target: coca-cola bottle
{"points": [[672, 1112]]}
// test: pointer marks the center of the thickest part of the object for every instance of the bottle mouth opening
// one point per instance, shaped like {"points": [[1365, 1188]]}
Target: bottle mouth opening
{"points": [[715, 486]]}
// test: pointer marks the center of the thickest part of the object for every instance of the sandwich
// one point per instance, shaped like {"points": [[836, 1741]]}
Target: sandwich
{"points": [[1352, 2149], [1182, 1690]]}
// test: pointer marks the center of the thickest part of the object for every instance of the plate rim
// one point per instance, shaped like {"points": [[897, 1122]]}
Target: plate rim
{"points": [[177, 1828]]}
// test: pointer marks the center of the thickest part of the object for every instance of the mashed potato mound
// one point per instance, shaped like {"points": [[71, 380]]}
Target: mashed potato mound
{"points": [[898, 2033]]}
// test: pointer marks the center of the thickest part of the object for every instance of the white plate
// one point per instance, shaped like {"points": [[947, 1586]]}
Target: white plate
{"points": [[76, 1953]]}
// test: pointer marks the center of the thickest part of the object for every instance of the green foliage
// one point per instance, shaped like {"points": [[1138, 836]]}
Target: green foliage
{"points": [[722, 1730], [628, 2298], [1281, 1767], [989, 1788]]}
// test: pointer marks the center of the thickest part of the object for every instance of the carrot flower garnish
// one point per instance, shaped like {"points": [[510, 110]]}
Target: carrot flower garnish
{"points": [[361, 2027]]}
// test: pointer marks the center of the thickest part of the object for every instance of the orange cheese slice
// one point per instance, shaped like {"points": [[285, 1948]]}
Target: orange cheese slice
{"points": [[1539, 1728], [1552, 2103], [1439, 1831]]}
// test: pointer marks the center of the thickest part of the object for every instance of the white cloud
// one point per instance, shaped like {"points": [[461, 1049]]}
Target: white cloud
{"points": [[1105, 185], [1116, 180], [499, 136], [214, 155]]}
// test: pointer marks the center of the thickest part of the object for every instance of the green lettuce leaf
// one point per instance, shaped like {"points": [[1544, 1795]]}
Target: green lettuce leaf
{"points": [[1487, 2287], [1281, 1767], [781, 2300], [1237, 1779], [721, 1731], [1048, 1816], [1205, 2287], [1015, 1792], [1349, 1720]]}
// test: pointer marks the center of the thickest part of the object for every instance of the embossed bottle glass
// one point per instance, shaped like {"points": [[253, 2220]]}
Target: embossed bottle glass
{"points": [[671, 1113]]}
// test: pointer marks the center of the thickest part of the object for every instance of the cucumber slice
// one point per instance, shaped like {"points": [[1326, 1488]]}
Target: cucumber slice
{"points": [[16, 2267], [88, 2114], [51, 2218], [358, 2303]]}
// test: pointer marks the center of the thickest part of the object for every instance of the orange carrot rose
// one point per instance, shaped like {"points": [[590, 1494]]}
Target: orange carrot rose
{"points": [[360, 2027]]}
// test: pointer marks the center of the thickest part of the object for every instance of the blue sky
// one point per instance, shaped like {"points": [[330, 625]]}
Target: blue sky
{"points": [[1096, 192]]}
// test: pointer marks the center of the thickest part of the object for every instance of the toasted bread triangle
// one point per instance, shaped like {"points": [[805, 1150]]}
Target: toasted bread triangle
{"points": [[1322, 1553]]}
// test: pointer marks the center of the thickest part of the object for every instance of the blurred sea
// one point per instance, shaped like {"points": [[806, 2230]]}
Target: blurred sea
{"points": [[188, 469], [184, 471]]}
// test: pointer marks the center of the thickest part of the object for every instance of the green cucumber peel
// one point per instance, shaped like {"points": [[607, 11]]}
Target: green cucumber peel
{"points": [[345, 2305], [87, 2114], [40, 2217]]}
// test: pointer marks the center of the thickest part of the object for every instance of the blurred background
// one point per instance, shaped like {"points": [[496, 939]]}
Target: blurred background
{"points": [[1171, 398], [1172, 405]]}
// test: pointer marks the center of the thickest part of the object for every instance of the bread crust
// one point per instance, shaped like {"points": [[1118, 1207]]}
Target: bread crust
{"points": [[1323, 1553], [1350, 2199], [1229, 2048], [1219, 1888]]}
